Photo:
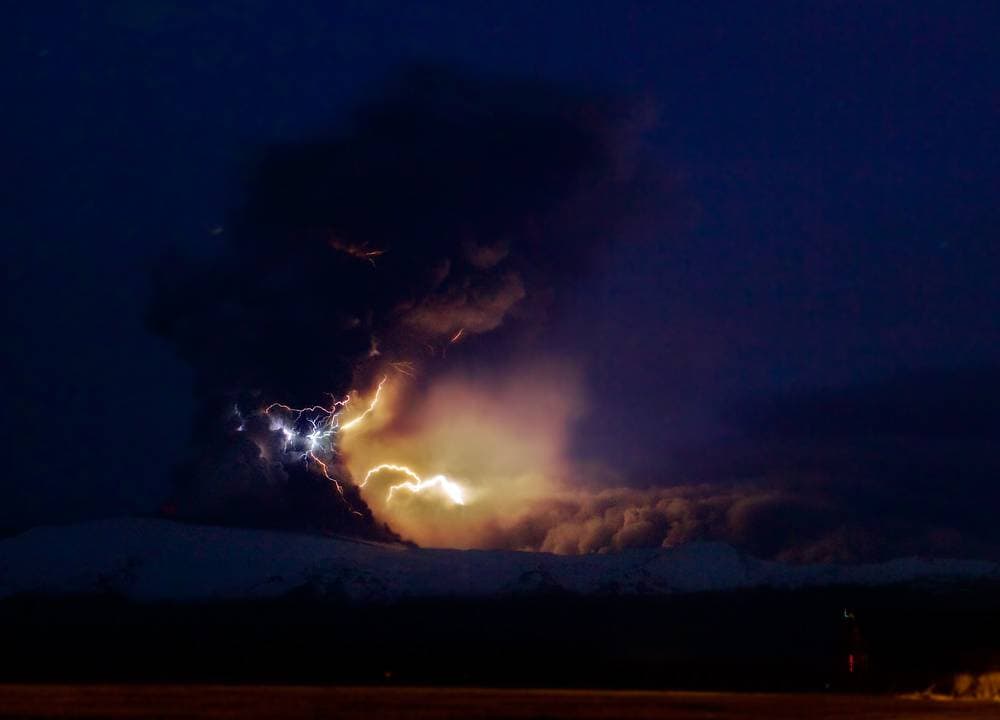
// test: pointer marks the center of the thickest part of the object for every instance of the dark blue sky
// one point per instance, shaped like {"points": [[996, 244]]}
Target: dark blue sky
{"points": [[836, 180]]}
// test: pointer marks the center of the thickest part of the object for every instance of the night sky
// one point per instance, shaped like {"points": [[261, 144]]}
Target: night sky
{"points": [[804, 302]]}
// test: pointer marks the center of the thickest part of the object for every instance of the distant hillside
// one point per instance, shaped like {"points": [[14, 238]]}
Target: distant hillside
{"points": [[151, 560]]}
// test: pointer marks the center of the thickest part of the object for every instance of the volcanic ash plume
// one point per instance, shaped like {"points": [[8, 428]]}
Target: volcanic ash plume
{"points": [[437, 213], [473, 451]]}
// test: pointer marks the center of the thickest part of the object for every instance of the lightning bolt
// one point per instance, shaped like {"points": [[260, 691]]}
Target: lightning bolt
{"points": [[389, 466], [310, 432], [417, 484], [298, 412], [371, 406], [324, 427], [324, 422], [452, 489]]}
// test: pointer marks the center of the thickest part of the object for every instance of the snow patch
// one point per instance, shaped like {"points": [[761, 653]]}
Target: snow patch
{"points": [[149, 559]]}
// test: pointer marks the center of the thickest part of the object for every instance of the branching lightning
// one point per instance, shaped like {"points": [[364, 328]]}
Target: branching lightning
{"points": [[326, 473], [321, 425], [310, 434]]}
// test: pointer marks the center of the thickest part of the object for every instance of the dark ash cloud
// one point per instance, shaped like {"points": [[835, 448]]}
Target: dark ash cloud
{"points": [[905, 466], [440, 206], [908, 464]]}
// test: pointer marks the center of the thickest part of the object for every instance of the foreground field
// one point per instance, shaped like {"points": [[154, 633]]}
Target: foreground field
{"points": [[215, 701]]}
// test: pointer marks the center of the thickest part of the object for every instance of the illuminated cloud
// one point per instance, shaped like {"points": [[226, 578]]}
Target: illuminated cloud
{"points": [[443, 206], [497, 440]]}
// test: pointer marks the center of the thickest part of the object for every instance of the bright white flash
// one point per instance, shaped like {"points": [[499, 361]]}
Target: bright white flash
{"points": [[450, 488], [311, 432], [417, 485], [368, 411]]}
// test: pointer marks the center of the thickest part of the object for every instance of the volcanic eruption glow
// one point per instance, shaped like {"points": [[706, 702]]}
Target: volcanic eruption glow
{"points": [[452, 206], [448, 207], [506, 441], [469, 452], [450, 489], [506, 444]]}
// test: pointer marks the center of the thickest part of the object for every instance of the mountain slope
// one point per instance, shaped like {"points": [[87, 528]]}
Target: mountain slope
{"points": [[148, 559]]}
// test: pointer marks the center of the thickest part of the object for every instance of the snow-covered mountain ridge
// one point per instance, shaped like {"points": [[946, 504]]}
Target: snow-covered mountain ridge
{"points": [[147, 559]]}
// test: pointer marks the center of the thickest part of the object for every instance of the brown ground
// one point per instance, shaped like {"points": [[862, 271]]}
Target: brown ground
{"points": [[201, 701]]}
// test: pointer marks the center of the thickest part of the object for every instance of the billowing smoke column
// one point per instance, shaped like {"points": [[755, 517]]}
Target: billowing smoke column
{"points": [[441, 209]]}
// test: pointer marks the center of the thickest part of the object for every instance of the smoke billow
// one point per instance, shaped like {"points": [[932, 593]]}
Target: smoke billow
{"points": [[899, 466], [869, 472], [613, 519], [451, 207], [439, 210]]}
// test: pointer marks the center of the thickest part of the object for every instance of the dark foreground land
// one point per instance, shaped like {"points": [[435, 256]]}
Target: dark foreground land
{"points": [[216, 701], [903, 639]]}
